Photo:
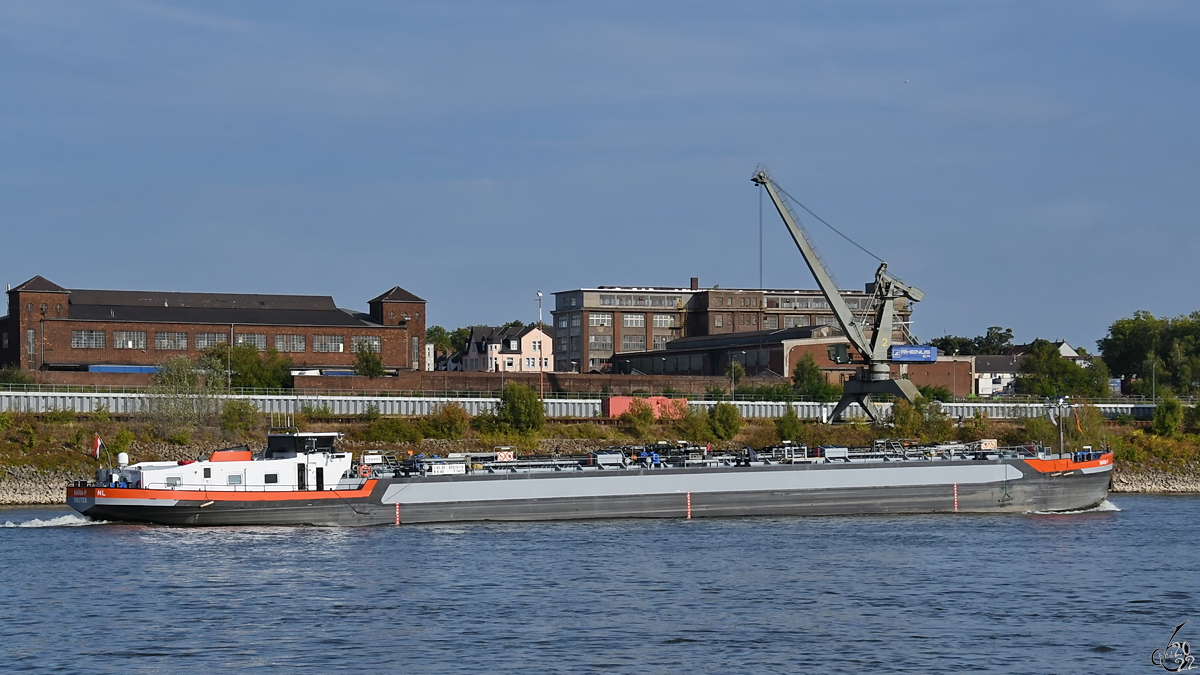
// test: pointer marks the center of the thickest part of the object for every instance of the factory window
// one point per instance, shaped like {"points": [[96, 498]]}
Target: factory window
{"points": [[794, 321], [259, 340], [562, 321], [633, 343], [607, 301], [826, 321], [600, 343], [562, 344], [129, 339], [576, 320], [207, 340], [289, 343], [167, 341], [575, 342], [31, 341], [87, 339], [328, 343], [57, 310], [271, 478], [660, 341], [718, 320], [634, 320], [664, 320], [771, 321], [600, 319], [852, 303], [373, 342]]}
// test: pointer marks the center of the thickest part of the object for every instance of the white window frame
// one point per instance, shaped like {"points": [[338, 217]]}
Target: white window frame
{"points": [[129, 339], [209, 340], [259, 340], [290, 343], [88, 339], [633, 320], [171, 341], [329, 344], [373, 342], [664, 320], [600, 319]]}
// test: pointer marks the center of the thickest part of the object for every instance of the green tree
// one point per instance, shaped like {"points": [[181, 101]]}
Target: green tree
{"points": [[448, 341], [789, 426], [640, 418], [808, 380], [1044, 372], [367, 361], [936, 392], [247, 367], [240, 416], [515, 323], [180, 397], [449, 422], [14, 375], [997, 340], [735, 371], [693, 425], [725, 421], [520, 409], [1168, 416], [1145, 350]]}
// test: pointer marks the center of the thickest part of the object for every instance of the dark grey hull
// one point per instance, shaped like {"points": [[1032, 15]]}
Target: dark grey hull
{"points": [[1003, 486]]}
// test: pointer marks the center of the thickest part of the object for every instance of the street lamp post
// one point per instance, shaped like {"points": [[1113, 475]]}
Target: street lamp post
{"points": [[541, 350]]}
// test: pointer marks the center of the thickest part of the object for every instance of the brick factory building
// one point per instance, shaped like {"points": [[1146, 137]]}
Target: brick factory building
{"points": [[49, 327], [592, 325]]}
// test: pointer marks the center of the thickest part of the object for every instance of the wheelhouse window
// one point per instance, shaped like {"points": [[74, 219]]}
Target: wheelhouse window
{"points": [[233, 479], [271, 478], [174, 481], [87, 339]]}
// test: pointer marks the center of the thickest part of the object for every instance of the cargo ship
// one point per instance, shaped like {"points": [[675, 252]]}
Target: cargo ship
{"points": [[308, 479]]}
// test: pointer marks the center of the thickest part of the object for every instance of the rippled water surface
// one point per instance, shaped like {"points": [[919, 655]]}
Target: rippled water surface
{"points": [[1080, 593]]}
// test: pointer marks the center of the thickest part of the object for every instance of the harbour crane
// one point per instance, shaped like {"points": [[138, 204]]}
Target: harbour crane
{"points": [[873, 343]]}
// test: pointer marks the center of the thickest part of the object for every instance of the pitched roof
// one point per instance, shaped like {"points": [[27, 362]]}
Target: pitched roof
{"points": [[40, 283], [397, 294]]}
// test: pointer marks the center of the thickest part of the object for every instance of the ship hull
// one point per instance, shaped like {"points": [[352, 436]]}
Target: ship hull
{"points": [[995, 486]]}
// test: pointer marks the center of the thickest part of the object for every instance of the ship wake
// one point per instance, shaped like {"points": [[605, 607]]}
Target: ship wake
{"points": [[68, 520], [1099, 508]]}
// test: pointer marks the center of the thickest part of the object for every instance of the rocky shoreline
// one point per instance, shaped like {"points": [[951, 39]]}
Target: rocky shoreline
{"points": [[26, 485]]}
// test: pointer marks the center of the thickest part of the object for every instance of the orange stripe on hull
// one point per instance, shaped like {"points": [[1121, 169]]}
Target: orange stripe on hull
{"points": [[1051, 465], [220, 495]]}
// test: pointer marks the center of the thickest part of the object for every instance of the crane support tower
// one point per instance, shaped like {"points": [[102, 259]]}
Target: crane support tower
{"points": [[875, 375]]}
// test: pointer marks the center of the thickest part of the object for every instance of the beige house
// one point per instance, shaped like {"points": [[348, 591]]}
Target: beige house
{"points": [[510, 349]]}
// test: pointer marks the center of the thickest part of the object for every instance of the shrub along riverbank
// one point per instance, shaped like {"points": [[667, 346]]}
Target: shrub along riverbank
{"points": [[40, 453]]}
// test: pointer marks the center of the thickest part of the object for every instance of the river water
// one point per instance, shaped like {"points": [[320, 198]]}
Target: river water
{"points": [[1092, 592]]}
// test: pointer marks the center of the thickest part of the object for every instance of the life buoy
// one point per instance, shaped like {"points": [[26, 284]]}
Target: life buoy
{"points": [[364, 470]]}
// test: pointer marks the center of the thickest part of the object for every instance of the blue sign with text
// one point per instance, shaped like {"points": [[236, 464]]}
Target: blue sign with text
{"points": [[925, 353]]}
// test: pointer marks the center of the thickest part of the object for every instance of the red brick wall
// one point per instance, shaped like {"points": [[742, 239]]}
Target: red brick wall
{"points": [[957, 376]]}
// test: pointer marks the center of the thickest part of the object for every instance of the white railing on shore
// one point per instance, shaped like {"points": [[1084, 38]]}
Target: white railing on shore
{"points": [[345, 406]]}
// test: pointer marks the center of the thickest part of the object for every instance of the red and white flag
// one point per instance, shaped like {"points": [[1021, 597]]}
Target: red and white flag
{"points": [[96, 445]]}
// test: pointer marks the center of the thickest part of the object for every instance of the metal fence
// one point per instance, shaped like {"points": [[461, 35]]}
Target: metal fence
{"points": [[132, 403]]}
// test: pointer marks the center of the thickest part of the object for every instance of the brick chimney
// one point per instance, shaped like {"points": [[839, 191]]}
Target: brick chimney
{"points": [[695, 283]]}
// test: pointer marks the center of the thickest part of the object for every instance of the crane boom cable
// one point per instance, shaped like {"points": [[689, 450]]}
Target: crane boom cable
{"points": [[839, 232]]}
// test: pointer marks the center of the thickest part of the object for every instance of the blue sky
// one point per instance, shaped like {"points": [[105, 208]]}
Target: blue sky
{"points": [[1039, 172]]}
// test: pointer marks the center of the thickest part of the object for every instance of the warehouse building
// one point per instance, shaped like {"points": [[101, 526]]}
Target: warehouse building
{"points": [[49, 327]]}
